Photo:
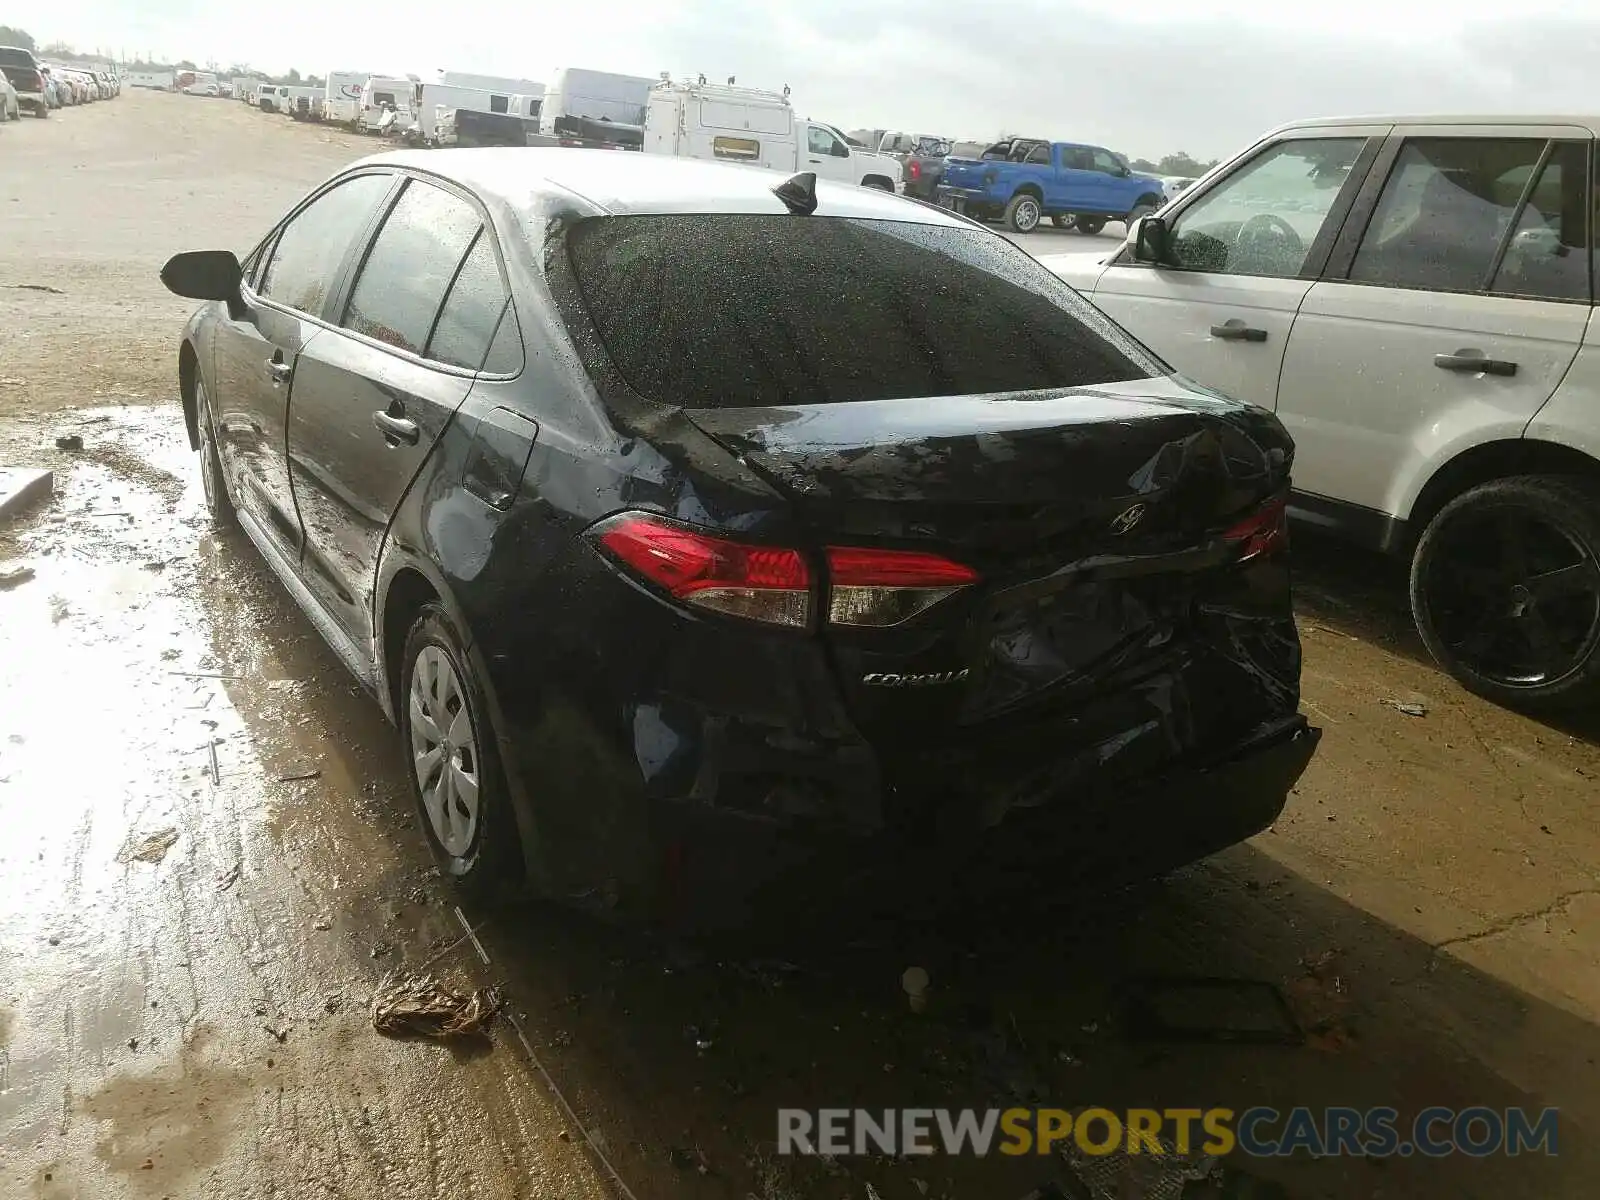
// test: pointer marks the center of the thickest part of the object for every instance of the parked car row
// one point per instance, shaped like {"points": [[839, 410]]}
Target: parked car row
{"points": [[39, 88]]}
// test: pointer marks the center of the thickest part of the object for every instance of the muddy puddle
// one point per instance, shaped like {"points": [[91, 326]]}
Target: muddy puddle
{"points": [[211, 861]]}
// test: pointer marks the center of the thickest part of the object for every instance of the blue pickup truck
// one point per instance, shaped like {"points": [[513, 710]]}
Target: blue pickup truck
{"points": [[1024, 180]]}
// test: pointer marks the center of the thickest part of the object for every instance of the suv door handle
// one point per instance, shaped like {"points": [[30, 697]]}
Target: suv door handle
{"points": [[1475, 364], [396, 429], [1238, 331]]}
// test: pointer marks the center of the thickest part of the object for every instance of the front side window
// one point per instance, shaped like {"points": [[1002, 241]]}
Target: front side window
{"points": [[1450, 204], [410, 267], [312, 247], [1075, 158], [729, 311], [1107, 163], [822, 141], [1264, 218]]}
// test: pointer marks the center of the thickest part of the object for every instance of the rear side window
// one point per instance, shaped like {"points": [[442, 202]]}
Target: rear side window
{"points": [[731, 311], [410, 267], [471, 312], [312, 247]]}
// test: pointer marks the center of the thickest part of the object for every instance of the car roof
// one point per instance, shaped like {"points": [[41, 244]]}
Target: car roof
{"points": [[624, 182], [1591, 123]]}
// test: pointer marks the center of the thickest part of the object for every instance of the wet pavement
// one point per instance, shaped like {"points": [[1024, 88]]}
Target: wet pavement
{"points": [[212, 861]]}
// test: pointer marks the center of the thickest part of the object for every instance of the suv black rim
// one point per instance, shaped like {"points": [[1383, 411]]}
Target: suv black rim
{"points": [[1515, 597]]}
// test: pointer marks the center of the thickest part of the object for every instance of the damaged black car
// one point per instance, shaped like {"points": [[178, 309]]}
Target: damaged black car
{"points": [[697, 526]]}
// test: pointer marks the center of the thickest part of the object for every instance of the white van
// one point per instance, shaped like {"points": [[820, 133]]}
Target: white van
{"points": [[428, 99], [758, 128], [384, 94], [341, 96], [583, 95]]}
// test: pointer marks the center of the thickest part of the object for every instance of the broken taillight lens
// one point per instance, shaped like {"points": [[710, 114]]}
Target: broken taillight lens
{"points": [[742, 579], [885, 587], [1263, 532]]}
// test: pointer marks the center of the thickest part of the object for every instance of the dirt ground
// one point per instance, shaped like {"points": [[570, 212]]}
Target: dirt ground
{"points": [[211, 858]]}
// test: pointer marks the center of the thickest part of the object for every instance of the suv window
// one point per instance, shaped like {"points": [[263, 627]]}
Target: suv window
{"points": [[730, 311], [1107, 162], [410, 267], [471, 311], [1450, 204], [313, 245], [1264, 218]]}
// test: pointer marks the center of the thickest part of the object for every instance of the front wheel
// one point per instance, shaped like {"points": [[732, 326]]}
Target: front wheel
{"points": [[1023, 213], [1090, 225], [1505, 589], [456, 779]]}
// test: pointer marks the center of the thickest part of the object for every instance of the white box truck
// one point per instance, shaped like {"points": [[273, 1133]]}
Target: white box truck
{"points": [[757, 128], [341, 96]]}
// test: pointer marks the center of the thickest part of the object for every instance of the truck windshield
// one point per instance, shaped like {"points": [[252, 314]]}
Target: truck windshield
{"points": [[736, 311]]}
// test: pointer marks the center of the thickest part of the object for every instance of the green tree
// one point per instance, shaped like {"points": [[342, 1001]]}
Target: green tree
{"points": [[1182, 163], [293, 76], [186, 65], [1144, 165], [59, 50], [10, 36]]}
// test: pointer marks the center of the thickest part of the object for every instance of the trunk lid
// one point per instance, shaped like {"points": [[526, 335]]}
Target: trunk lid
{"points": [[1093, 516]]}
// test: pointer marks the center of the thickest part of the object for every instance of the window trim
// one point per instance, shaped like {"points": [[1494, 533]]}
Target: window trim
{"points": [[1355, 231], [347, 284], [1339, 213]]}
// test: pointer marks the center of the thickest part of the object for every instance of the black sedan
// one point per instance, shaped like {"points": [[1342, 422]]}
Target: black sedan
{"points": [[694, 524]]}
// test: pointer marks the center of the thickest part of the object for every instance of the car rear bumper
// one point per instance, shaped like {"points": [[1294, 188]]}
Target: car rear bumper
{"points": [[959, 199]]}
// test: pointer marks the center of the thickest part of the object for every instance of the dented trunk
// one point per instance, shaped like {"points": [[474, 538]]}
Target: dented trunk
{"points": [[1113, 612]]}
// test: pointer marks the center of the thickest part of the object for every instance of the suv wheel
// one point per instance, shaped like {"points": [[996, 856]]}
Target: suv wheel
{"points": [[456, 778], [1139, 213], [1091, 225], [1023, 213], [1505, 588]]}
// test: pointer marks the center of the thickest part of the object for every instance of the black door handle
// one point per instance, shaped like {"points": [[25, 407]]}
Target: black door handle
{"points": [[1475, 364], [397, 429], [1238, 333]]}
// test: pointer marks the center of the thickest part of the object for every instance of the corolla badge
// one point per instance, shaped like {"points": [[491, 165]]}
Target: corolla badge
{"points": [[1127, 519], [928, 679]]}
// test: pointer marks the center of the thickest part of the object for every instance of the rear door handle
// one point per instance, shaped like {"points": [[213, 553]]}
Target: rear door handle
{"points": [[1474, 364], [397, 429], [1238, 331]]}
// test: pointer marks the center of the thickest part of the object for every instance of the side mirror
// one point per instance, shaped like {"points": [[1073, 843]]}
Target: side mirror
{"points": [[1123, 171], [1150, 240], [840, 150], [204, 275]]}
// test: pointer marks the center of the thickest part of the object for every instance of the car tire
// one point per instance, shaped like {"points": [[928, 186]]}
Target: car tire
{"points": [[1062, 220], [213, 482], [1023, 213], [1140, 211], [471, 833], [1480, 605], [1089, 225], [42, 111]]}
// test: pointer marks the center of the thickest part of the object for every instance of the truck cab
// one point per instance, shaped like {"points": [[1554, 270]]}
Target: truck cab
{"points": [[1024, 180]]}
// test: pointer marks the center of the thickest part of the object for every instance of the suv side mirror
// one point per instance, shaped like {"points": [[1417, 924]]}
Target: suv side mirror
{"points": [[1150, 240], [1123, 171], [205, 275]]}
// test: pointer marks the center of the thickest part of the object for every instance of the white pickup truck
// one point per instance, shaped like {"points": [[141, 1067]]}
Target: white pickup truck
{"points": [[758, 128]]}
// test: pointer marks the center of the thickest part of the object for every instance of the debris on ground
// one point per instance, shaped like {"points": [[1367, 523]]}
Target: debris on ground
{"points": [[382, 950], [1210, 1009], [685, 1159], [300, 776], [13, 574], [36, 287], [231, 877], [281, 1034], [1119, 1174], [408, 1004], [151, 849], [70, 441], [1408, 708], [915, 983]]}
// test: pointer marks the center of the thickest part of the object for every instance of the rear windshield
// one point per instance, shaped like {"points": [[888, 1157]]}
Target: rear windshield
{"points": [[10, 56], [738, 311]]}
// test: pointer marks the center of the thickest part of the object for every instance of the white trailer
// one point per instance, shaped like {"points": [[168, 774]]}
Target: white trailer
{"points": [[492, 83], [757, 128], [159, 80], [341, 96], [582, 95], [382, 94], [205, 84]]}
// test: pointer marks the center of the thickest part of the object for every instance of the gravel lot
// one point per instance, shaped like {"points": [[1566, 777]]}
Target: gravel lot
{"points": [[212, 861]]}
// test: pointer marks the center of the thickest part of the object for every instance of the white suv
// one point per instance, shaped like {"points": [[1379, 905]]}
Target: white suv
{"points": [[1415, 299]]}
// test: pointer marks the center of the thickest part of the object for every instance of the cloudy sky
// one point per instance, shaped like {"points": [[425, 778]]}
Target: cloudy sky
{"points": [[1146, 77]]}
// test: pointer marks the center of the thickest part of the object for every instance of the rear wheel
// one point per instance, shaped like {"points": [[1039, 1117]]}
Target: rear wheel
{"points": [[1061, 220], [42, 111], [456, 779], [1505, 588], [1023, 213], [1091, 225], [1139, 213]]}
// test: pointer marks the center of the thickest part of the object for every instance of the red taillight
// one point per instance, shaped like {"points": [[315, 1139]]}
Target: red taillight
{"points": [[1265, 531], [885, 587], [916, 169], [762, 583]]}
